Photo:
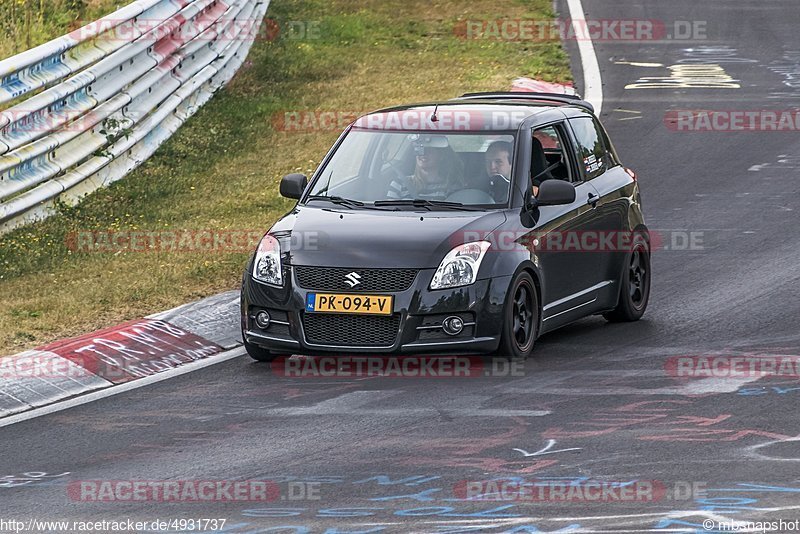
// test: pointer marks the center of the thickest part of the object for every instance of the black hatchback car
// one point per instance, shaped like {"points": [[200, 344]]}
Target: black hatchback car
{"points": [[473, 225]]}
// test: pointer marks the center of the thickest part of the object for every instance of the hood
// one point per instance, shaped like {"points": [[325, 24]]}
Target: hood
{"points": [[378, 239]]}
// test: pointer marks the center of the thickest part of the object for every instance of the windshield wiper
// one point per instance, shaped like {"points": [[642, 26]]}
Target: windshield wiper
{"points": [[423, 203], [340, 201]]}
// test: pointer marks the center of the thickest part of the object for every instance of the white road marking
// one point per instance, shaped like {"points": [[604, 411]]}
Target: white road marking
{"points": [[545, 450], [754, 451], [122, 388], [638, 64], [365, 403], [593, 90]]}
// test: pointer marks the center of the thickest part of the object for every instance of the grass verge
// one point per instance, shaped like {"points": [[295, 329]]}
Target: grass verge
{"points": [[28, 23], [221, 170]]}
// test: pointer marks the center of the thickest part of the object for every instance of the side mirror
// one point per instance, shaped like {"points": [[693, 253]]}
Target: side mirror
{"points": [[293, 185], [529, 215], [555, 193]]}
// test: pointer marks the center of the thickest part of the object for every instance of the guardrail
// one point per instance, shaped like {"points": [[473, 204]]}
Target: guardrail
{"points": [[83, 110]]}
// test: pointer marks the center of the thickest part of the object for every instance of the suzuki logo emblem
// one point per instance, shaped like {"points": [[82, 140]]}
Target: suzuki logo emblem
{"points": [[353, 279]]}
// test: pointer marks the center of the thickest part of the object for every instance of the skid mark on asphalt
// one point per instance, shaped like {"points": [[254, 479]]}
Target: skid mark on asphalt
{"points": [[785, 162], [611, 383], [356, 404]]}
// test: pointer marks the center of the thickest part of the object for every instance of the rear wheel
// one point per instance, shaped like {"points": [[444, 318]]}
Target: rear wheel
{"points": [[635, 290], [521, 319]]}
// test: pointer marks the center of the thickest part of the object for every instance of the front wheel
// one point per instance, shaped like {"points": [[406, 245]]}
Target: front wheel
{"points": [[520, 319], [259, 354], [635, 290]]}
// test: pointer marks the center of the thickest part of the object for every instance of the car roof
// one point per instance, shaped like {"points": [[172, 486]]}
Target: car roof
{"points": [[475, 112]]}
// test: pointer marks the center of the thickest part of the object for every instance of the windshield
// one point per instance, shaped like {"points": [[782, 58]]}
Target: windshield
{"points": [[394, 168]]}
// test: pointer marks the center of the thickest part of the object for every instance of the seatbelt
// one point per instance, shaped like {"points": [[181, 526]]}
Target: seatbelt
{"points": [[548, 169]]}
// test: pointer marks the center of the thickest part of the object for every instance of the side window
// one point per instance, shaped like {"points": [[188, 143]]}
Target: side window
{"points": [[593, 156], [548, 137], [549, 160]]}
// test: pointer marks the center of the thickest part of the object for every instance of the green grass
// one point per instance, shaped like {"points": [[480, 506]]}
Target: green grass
{"points": [[28, 23], [222, 169]]}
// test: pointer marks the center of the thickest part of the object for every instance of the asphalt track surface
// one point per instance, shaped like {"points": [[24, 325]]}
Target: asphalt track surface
{"points": [[596, 401]]}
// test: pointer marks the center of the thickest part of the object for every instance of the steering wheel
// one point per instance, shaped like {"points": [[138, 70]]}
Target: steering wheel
{"points": [[499, 187], [471, 196]]}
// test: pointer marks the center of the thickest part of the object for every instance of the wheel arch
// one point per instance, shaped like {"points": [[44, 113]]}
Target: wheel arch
{"points": [[644, 231], [529, 267]]}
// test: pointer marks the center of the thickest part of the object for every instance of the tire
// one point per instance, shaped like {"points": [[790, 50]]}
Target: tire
{"points": [[520, 319], [259, 354], [635, 288]]}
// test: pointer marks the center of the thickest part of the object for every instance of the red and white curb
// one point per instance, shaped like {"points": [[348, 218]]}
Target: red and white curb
{"points": [[121, 355]]}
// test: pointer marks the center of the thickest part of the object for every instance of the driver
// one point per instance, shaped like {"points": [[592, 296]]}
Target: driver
{"points": [[498, 163], [438, 173], [498, 159]]}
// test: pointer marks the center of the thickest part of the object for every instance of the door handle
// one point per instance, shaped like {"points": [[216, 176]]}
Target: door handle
{"points": [[593, 200]]}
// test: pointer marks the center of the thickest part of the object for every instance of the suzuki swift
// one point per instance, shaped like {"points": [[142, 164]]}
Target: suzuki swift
{"points": [[473, 225]]}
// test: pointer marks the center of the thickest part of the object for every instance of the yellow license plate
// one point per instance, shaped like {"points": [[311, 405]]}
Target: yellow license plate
{"points": [[359, 304]]}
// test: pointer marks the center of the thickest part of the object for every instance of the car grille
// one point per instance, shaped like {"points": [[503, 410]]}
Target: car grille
{"points": [[330, 279], [351, 330]]}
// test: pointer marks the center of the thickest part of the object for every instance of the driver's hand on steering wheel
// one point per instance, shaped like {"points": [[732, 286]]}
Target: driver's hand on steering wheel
{"points": [[498, 186]]}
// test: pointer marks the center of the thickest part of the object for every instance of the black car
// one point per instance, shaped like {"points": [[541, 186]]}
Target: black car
{"points": [[473, 225]]}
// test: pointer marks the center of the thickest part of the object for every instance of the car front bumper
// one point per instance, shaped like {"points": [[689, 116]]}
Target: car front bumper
{"points": [[416, 321]]}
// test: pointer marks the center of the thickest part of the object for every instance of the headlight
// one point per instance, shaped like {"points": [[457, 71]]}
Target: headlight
{"points": [[267, 263], [460, 266]]}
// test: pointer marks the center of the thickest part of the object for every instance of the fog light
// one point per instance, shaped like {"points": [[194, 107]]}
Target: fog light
{"points": [[263, 320], [453, 326]]}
